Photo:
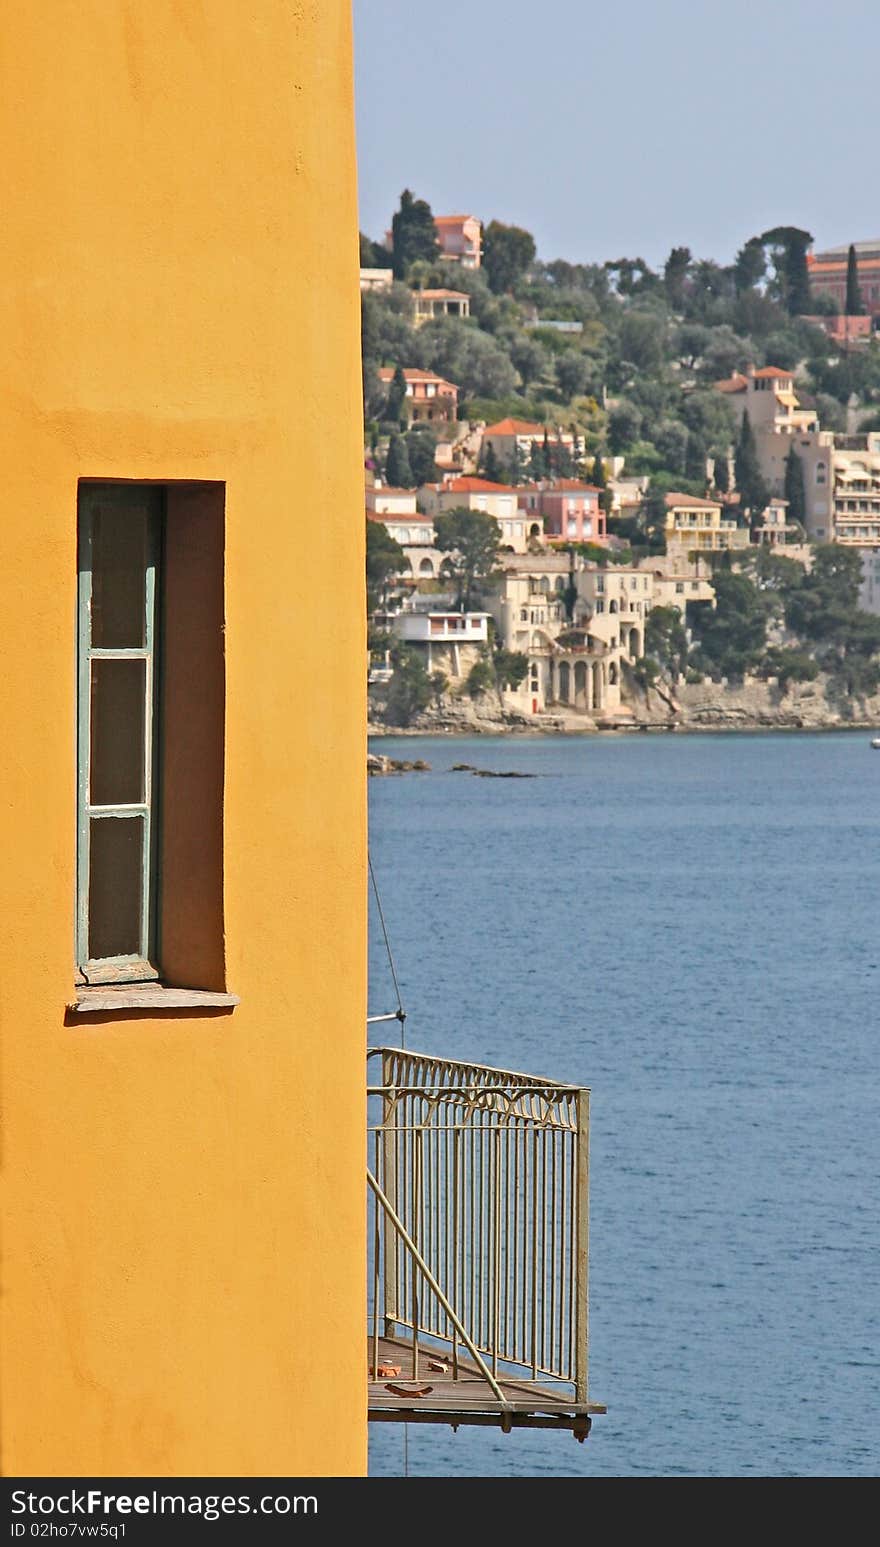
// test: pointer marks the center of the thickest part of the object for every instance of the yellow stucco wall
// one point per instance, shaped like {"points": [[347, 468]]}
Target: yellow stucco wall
{"points": [[183, 1197]]}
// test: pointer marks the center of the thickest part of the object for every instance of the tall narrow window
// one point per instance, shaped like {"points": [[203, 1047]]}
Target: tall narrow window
{"points": [[120, 542]]}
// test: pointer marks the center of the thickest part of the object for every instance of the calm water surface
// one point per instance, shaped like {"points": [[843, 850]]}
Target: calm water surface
{"points": [[690, 926]]}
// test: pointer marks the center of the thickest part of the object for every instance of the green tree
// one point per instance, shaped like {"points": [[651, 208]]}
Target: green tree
{"points": [[507, 253], [675, 274], [732, 635], [463, 353], [398, 473], [854, 304], [572, 373], [373, 254], [420, 448], [539, 460], [597, 473], [754, 493], [725, 352], [624, 426], [783, 349], [795, 492], [721, 473], [750, 265], [409, 690], [671, 440], [395, 403], [414, 234], [632, 276], [385, 558], [666, 640], [788, 666], [824, 604], [490, 465], [480, 678], [471, 540], [788, 245], [642, 339], [695, 458], [775, 574], [510, 667]]}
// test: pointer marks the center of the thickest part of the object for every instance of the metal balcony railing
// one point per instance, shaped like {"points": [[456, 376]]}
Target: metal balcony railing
{"points": [[479, 1189]]}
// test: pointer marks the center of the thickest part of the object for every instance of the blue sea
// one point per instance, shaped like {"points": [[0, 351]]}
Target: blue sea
{"points": [[690, 925]]}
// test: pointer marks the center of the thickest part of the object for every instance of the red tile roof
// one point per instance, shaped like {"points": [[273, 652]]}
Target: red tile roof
{"points": [[514, 427], [386, 373], [774, 371], [472, 486], [690, 501], [443, 295], [734, 383], [572, 486]]}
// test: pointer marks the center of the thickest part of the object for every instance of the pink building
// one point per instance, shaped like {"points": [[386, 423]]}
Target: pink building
{"points": [[427, 396], [827, 274], [570, 509], [845, 330], [460, 238]]}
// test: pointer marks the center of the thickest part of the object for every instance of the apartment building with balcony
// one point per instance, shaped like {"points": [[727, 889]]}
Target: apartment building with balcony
{"points": [[694, 524]]}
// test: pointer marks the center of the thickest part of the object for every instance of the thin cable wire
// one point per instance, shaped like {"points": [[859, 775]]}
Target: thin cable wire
{"points": [[400, 1012]]}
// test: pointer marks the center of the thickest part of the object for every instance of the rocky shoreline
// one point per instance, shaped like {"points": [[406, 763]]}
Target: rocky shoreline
{"points": [[688, 708]]}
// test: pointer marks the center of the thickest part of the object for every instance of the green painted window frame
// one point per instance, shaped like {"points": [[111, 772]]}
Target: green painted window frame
{"points": [[141, 965]]}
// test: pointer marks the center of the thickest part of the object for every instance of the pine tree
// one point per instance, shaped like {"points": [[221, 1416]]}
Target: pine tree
{"points": [[753, 491], [854, 304], [398, 473], [789, 247], [794, 488]]}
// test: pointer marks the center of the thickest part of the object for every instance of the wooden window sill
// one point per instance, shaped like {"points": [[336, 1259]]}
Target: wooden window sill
{"points": [[147, 996]]}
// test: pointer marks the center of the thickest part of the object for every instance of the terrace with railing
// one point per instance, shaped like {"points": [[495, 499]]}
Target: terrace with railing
{"points": [[479, 1229]]}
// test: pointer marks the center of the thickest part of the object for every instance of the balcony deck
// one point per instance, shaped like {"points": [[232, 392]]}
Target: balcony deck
{"points": [[479, 1213], [465, 1398]]}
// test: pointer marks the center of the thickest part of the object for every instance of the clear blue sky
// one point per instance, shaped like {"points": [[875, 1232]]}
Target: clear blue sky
{"points": [[624, 128]]}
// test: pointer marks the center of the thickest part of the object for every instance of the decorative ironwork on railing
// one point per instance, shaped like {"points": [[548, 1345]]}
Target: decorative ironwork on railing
{"points": [[479, 1180]]}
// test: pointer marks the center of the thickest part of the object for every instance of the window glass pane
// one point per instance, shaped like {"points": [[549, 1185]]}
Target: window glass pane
{"points": [[115, 885], [117, 732], [119, 563]]}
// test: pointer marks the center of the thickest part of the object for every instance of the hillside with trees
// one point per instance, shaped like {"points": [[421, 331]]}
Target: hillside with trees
{"points": [[635, 379]]}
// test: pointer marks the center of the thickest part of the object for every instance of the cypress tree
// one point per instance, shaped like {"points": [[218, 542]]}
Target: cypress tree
{"points": [[538, 467], [398, 473], [414, 234], [854, 304], [752, 488], [597, 476], [491, 465], [721, 474], [695, 458], [794, 488], [395, 405]]}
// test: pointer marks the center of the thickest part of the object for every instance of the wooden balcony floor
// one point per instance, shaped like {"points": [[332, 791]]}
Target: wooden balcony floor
{"points": [[468, 1399]]}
